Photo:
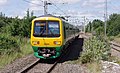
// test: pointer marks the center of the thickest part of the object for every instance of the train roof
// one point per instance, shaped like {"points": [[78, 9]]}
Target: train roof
{"points": [[62, 18], [49, 15]]}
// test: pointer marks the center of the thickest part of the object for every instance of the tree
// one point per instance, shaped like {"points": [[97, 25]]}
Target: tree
{"points": [[113, 27], [96, 26]]}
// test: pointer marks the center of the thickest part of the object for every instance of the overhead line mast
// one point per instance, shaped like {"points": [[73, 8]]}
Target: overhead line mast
{"points": [[46, 7], [105, 15]]}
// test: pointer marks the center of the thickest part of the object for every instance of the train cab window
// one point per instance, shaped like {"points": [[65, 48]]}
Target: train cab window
{"points": [[53, 29], [39, 28], [46, 29]]}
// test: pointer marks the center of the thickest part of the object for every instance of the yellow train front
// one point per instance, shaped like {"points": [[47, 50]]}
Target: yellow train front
{"points": [[48, 36]]}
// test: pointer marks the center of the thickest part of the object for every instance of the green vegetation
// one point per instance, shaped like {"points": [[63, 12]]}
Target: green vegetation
{"points": [[94, 67], [115, 59], [24, 49], [97, 26], [115, 38], [14, 38], [96, 49], [113, 26]]}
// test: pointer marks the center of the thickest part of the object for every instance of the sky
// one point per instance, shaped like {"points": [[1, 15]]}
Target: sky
{"points": [[75, 9]]}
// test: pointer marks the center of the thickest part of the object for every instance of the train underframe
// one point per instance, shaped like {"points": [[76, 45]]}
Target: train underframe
{"points": [[47, 52]]}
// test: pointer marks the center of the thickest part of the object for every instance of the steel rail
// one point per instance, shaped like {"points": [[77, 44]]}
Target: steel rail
{"points": [[28, 67], [67, 50], [115, 46]]}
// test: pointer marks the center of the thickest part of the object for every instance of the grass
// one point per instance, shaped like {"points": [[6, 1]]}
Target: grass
{"points": [[7, 59], [114, 38], [25, 48], [115, 59], [117, 40], [74, 62], [94, 67]]}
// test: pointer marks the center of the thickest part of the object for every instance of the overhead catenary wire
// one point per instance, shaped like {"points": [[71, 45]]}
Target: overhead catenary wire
{"points": [[33, 3], [58, 7], [41, 0]]}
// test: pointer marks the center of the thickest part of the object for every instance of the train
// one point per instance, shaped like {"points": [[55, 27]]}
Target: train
{"points": [[50, 34]]}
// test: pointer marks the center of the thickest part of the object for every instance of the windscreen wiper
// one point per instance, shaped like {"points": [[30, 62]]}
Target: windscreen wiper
{"points": [[52, 33], [41, 32]]}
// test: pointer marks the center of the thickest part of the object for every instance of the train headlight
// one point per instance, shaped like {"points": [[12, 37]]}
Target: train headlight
{"points": [[35, 42], [57, 42]]}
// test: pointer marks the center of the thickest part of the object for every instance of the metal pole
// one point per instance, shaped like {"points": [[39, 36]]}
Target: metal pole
{"points": [[105, 17], [92, 28], [84, 24], [45, 7]]}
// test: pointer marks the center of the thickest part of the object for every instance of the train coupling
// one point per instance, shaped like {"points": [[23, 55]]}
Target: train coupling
{"points": [[46, 55], [46, 52]]}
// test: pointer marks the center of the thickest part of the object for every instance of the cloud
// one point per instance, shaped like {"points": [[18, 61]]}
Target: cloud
{"points": [[65, 1], [2, 2], [76, 13], [94, 3], [35, 5], [90, 15], [18, 14], [72, 12]]}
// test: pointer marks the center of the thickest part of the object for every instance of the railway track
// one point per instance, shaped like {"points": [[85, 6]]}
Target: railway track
{"points": [[30, 66], [59, 59], [115, 46]]}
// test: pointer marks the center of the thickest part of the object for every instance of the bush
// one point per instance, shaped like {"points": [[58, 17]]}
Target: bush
{"points": [[118, 35], [8, 44], [111, 38], [95, 50]]}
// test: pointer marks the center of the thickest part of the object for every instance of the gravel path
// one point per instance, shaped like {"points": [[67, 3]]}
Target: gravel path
{"points": [[115, 53], [70, 68], [107, 67], [110, 67], [60, 68], [40, 68], [18, 64]]}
